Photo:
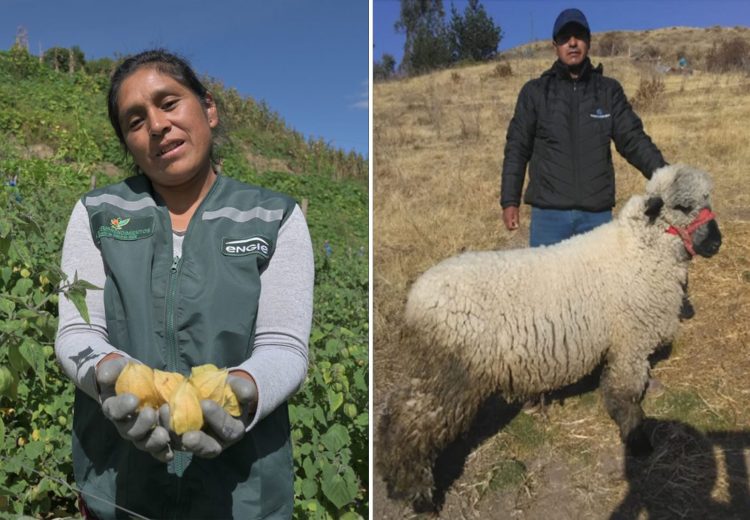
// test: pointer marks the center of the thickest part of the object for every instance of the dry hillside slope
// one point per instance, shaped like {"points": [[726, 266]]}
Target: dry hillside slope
{"points": [[438, 144]]}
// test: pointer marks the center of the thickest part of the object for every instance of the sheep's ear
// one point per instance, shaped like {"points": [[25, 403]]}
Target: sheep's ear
{"points": [[653, 208]]}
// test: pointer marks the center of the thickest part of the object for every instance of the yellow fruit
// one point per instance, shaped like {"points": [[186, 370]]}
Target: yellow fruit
{"points": [[209, 382], [230, 403], [185, 409], [166, 383], [138, 380]]}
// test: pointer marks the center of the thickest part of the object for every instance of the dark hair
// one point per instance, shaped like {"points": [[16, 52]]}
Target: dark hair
{"points": [[163, 61]]}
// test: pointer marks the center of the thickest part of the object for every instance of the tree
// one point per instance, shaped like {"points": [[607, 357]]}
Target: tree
{"points": [[385, 68], [430, 50], [427, 46], [62, 59], [101, 66], [474, 35]]}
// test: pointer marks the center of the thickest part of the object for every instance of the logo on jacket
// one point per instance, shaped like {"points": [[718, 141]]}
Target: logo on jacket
{"points": [[246, 246], [118, 223], [599, 114], [132, 228]]}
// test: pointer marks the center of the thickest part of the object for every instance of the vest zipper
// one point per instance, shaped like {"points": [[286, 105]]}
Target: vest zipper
{"points": [[180, 460], [179, 457], [170, 332]]}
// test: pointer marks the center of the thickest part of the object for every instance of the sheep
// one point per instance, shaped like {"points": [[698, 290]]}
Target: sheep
{"points": [[526, 321]]}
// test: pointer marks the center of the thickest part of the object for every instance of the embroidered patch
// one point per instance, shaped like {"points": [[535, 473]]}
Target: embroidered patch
{"points": [[599, 114], [127, 228], [246, 246]]}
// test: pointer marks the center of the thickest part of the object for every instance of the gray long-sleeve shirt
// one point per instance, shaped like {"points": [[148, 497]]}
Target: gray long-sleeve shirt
{"points": [[279, 359]]}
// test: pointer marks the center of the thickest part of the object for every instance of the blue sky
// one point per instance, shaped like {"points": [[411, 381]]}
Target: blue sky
{"points": [[523, 21], [307, 59]]}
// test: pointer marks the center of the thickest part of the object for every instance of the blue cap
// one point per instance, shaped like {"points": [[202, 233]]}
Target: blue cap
{"points": [[570, 16]]}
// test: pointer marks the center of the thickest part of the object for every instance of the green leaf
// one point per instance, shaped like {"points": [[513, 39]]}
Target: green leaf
{"points": [[306, 417], [34, 449], [309, 488], [22, 287], [305, 449], [7, 306], [359, 381], [336, 438], [319, 415], [16, 360], [335, 400], [311, 471], [338, 491], [334, 346], [79, 300], [362, 420], [350, 515], [33, 353], [292, 413], [6, 381], [83, 285], [2, 435]]}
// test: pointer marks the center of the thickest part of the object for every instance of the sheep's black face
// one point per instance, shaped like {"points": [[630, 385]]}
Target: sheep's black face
{"points": [[707, 239]]}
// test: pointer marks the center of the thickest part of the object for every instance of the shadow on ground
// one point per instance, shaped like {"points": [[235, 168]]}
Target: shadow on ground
{"points": [[491, 417], [678, 479]]}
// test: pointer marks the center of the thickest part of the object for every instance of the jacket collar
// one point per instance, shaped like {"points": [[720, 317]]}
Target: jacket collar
{"points": [[560, 70]]}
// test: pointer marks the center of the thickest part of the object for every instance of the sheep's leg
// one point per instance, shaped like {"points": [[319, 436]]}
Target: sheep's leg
{"points": [[623, 384], [419, 422], [687, 311]]}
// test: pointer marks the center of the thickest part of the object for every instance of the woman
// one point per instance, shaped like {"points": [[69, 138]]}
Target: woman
{"points": [[196, 268]]}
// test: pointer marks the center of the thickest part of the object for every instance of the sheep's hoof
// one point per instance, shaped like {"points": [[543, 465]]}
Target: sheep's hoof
{"points": [[536, 405], [638, 444]]}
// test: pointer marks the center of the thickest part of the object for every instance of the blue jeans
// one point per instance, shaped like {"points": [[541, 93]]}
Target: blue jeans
{"points": [[550, 226]]}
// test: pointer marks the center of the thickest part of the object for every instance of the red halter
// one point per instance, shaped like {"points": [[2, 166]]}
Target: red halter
{"points": [[686, 233]]}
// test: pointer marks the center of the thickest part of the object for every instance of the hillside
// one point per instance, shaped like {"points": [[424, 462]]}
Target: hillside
{"points": [[438, 151], [668, 44], [56, 142]]}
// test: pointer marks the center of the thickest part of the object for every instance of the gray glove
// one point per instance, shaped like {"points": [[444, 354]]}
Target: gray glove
{"points": [[140, 428], [222, 430]]}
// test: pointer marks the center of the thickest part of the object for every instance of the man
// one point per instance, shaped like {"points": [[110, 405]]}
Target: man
{"points": [[562, 127]]}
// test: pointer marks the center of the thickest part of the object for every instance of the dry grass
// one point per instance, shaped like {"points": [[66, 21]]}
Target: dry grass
{"points": [[437, 157]]}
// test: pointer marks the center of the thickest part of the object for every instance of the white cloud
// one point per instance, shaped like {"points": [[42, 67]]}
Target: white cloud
{"points": [[363, 102]]}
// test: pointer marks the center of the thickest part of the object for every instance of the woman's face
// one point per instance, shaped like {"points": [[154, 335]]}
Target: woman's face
{"points": [[166, 127]]}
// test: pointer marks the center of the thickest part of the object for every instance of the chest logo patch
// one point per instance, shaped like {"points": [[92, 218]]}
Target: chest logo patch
{"points": [[246, 246], [599, 114], [126, 228]]}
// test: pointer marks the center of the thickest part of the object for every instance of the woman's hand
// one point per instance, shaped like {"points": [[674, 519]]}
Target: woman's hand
{"points": [[140, 428], [221, 430]]}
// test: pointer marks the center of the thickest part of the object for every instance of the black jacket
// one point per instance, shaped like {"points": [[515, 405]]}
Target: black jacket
{"points": [[563, 127]]}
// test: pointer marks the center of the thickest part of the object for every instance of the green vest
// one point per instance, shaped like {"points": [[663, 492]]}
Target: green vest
{"points": [[173, 315]]}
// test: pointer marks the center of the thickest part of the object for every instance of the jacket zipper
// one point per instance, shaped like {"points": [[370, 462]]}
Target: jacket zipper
{"points": [[574, 138]]}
